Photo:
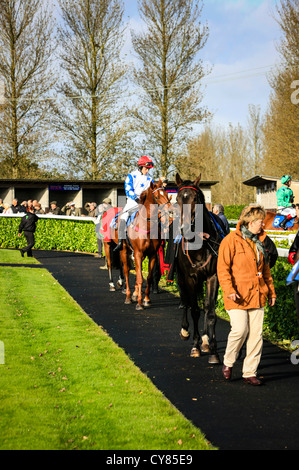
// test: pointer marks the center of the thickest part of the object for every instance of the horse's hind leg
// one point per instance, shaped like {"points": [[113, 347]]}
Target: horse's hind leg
{"points": [[107, 248]]}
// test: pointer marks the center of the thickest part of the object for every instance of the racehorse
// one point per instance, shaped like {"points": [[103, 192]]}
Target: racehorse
{"points": [[144, 240], [196, 266], [112, 259], [269, 219]]}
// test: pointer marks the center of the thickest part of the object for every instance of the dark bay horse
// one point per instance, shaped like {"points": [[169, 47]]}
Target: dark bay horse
{"points": [[197, 265], [144, 240]]}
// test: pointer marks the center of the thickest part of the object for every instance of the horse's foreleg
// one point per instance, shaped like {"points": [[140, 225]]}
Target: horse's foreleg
{"points": [[139, 279], [211, 318], [195, 313], [151, 263], [126, 269], [185, 335]]}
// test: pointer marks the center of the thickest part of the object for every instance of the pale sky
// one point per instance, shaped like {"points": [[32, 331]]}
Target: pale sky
{"points": [[242, 50]]}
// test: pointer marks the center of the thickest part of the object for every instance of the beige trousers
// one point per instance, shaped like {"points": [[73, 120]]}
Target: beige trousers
{"points": [[245, 324]]}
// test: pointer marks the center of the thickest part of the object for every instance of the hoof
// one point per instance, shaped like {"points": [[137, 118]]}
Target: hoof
{"points": [[204, 348], [184, 334], [134, 298], [128, 301], [119, 284], [139, 307], [112, 289], [214, 359], [146, 303], [195, 352]]}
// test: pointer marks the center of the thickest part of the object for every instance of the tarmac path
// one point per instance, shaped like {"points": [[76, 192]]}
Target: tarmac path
{"points": [[232, 415]]}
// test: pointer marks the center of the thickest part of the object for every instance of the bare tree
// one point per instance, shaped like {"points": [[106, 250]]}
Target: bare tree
{"points": [[281, 127], [255, 135], [89, 114], [169, 75], [26, 45]]}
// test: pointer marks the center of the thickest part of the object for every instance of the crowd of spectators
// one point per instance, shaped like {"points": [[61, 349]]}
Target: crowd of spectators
{"points": [[91, 209]]}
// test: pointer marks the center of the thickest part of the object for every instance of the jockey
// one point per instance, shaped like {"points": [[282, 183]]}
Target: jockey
{"points": [[135, 183], [285, 199]]}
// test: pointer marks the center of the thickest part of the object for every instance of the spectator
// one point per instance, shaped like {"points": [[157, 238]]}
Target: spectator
{"points": [[15, 207], [28, 226], [38, 208], [245, 278], [99, 212], [24, 207], [90, 207], [164, 182], [70, 209], [218, 209], [7, 209], [54, 209]]}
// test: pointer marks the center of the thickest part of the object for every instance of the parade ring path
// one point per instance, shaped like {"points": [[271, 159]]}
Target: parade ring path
{"points": [[232, 415]]}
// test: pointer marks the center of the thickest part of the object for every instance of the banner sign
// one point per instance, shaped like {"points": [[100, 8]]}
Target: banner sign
{"points": [[64, 187]]}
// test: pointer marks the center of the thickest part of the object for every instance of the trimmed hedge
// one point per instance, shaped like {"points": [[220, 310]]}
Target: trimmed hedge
{"points": [[233, 212], [51, 234]]}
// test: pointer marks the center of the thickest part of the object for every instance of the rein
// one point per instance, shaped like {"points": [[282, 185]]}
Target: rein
{"points": [[148, 219], [186, 253]]}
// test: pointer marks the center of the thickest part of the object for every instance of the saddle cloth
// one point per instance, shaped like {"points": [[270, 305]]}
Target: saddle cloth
{"points": [[278, 219]]}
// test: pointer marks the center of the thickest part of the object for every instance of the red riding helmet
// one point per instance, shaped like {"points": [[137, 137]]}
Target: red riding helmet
{"points": [[145, 161]]}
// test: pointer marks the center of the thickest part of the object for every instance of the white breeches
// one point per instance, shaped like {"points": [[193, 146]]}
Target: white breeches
{"points": [[287, 211]]}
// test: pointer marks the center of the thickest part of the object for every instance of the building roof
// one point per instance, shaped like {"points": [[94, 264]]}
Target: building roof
{"points": [[92, 183], [260, 180]]}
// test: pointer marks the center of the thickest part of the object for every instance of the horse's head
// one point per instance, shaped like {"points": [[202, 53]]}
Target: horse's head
{"points": [[191, 202]]}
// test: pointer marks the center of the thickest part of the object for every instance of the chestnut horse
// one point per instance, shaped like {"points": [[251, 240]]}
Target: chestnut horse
{"points": [[197, 265], [268, 222], [143, 240]]}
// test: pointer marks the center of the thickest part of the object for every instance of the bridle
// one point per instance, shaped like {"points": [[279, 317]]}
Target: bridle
{"points": [[161, 212], [185, 248]]}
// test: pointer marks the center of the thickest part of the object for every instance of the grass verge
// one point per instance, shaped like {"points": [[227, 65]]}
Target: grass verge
{"points": [[66, 385]]}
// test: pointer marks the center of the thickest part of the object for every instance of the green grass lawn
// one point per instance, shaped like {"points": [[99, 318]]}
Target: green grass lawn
{"points": [[64, 382]]}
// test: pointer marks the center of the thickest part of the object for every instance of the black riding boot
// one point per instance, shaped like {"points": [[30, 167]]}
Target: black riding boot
{"points": [[284, 222], [121, 235]]}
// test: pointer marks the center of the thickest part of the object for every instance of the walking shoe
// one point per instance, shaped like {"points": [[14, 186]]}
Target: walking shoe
{"points": [[252, 381], [227, 372]]}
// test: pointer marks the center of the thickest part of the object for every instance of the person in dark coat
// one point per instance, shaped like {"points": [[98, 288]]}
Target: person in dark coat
{"points": [[28, 226]]}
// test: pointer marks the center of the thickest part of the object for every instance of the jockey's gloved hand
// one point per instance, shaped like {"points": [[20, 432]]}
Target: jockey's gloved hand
{"points": [[291, 257]]}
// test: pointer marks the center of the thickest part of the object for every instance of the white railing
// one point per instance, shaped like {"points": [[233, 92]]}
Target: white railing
{"points": [[282, 252]]}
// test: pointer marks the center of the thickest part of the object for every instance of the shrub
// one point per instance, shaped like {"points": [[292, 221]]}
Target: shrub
{"points": [[51, 234], [233, 212]]}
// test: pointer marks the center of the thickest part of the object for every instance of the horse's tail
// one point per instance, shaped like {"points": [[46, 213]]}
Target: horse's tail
{"points": [[114, 256]]}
